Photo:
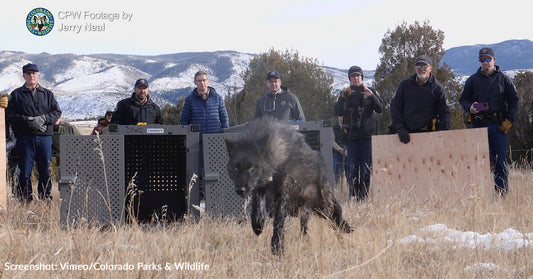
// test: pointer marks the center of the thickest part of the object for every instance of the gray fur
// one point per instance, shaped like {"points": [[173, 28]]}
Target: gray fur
{"points": [[272, 162]]}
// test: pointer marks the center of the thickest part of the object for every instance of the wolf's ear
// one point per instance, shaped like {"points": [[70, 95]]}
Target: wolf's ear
{"points": [[229, 145]]}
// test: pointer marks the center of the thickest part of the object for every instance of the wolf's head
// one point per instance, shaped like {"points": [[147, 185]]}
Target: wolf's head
{"points": [[247, 167]]}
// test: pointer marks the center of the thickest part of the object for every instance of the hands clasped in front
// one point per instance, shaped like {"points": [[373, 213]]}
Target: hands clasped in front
{"points": [[37, 123]]}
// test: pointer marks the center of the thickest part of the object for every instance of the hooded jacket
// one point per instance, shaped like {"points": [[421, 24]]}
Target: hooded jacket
{"points": [[283, 106]]}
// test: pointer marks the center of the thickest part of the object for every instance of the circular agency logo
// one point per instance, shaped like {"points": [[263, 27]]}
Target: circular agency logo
{"points": [[40, 21]]}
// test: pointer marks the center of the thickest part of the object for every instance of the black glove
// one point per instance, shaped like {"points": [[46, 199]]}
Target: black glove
{"points": [[404, 135], [36, 122], [30, 121]]}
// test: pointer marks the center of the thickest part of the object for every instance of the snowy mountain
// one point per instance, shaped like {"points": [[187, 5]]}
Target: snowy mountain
{"points": [[87, 85], [510, 55]]}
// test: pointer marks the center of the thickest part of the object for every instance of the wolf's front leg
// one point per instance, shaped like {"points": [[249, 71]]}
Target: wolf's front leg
{"points": [[277, 236], [340, 223], [304, 220], [258, 215]]}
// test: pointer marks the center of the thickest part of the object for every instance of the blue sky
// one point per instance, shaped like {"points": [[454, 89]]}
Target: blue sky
{"points": [[338, 33]]}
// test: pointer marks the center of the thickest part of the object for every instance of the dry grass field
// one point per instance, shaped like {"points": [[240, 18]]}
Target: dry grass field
{"points": [[32, 238]]}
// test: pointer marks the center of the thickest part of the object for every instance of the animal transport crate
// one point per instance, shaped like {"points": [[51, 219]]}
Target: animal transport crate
{"points": [[140, 172], [221, 200]]}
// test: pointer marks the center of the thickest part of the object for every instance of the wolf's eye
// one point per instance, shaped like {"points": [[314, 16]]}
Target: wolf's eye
{"points": [[251, 169]]}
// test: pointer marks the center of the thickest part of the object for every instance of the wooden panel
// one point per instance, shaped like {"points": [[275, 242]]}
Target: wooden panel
{"points": [[3, 173], [444, 165]]}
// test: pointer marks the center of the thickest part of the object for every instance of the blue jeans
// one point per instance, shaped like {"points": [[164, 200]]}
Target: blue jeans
{"points": [[359, 167], [38, 149], [338, 165], [498, 155]]}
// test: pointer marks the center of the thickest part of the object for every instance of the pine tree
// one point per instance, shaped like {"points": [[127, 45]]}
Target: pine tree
{"points": [[301, 76], [399, 49], [171, 114], [521, 134]]}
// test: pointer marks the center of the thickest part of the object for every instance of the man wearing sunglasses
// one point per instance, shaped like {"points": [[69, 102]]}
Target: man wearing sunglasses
{"points": [[419, 104], [278, 102], [490, 97]]}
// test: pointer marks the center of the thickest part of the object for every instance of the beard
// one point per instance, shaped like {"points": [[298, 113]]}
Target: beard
{"points": [[422, 76]]}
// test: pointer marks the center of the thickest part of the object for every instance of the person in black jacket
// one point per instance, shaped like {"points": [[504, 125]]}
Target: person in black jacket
{"points": [[339, 142], [103, 122], [419, 104], [12, 160], [492, 101], [32, 111], [137, 109], [11, 142], [356, 109]]}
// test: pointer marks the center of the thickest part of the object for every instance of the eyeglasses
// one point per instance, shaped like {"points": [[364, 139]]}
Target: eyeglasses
{"points": [[488, 59], [425, 66]]}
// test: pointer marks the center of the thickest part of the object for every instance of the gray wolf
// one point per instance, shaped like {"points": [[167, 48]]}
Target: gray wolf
{"points": [[272, 163]]}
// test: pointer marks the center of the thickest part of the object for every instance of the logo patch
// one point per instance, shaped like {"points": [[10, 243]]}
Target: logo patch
{"points": [[40, 21]]}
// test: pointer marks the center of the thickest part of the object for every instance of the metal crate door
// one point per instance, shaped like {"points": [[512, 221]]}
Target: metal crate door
{"points": [[156, 174], [319, 136], [221, 200], [91, 183]]}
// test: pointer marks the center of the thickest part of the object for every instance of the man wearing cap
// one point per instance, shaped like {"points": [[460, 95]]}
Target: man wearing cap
{"points": [[490, 97], [32, 111], [138, 109], [419, 104], [356, 109], [278, 102]]}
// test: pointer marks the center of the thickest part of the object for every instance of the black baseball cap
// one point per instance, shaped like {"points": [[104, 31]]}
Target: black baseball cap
{"points": [[29, 67], [273, 74], [486, 51], [141, 82], [423, 59]]}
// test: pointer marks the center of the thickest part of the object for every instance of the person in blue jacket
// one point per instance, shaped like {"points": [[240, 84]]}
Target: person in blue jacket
{"points": [[204, 106], [490, 97]]}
